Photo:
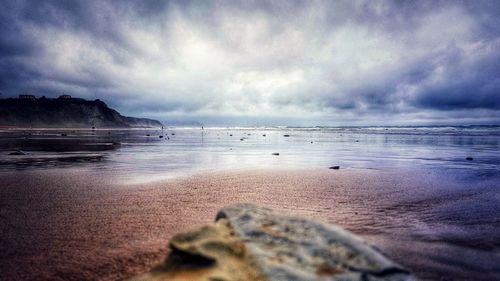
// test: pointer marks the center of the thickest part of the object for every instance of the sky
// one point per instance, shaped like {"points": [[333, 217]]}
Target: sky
{"points": [[299, 63]]}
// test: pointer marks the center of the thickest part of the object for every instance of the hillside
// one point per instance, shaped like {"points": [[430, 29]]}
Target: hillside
{"points": [[69, 112]]}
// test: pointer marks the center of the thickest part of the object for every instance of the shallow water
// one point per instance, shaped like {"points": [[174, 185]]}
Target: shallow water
{"points": [[141, 155]]}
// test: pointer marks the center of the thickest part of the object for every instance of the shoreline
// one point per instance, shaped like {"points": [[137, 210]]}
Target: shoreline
{"points": [[78, 224]]}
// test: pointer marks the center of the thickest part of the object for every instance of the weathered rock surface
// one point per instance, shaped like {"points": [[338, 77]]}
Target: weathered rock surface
{"points": [[252, 243], [212, 253]]}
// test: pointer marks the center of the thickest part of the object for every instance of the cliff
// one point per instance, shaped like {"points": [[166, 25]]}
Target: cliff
{"points": [[72, 112], [251, 243]]}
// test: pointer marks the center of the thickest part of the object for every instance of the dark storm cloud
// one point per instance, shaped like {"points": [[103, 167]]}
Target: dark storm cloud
{"points": [[320, 60]]}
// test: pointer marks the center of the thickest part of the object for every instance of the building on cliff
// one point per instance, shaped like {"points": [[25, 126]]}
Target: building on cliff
{"points": [[27, 97]]}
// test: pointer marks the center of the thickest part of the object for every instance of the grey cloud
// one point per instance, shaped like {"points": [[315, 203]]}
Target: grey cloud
{"points": [[237, 59]]}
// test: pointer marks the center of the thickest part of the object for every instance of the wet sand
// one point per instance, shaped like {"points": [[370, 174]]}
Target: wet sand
{"points": [[71, 224]]}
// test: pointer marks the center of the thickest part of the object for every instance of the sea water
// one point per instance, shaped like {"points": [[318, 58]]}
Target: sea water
{"points": [[148, 154]]}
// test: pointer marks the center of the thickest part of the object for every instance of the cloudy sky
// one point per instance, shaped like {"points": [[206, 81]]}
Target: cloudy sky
{"points": [[261, 62]]}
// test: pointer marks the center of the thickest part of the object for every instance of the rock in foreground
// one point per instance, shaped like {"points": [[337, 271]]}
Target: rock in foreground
{"points": [[252, 243]]}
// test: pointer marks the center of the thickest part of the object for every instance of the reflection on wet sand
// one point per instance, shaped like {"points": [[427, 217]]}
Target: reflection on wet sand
{"points": [[152, 153], [50, 148], [48, 160]]}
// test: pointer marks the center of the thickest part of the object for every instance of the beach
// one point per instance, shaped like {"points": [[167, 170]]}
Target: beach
{"points": [[76, 224], [249, 140]]}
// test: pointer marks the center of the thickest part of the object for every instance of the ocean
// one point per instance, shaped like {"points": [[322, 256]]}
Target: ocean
{"points": [[143, 154]]}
